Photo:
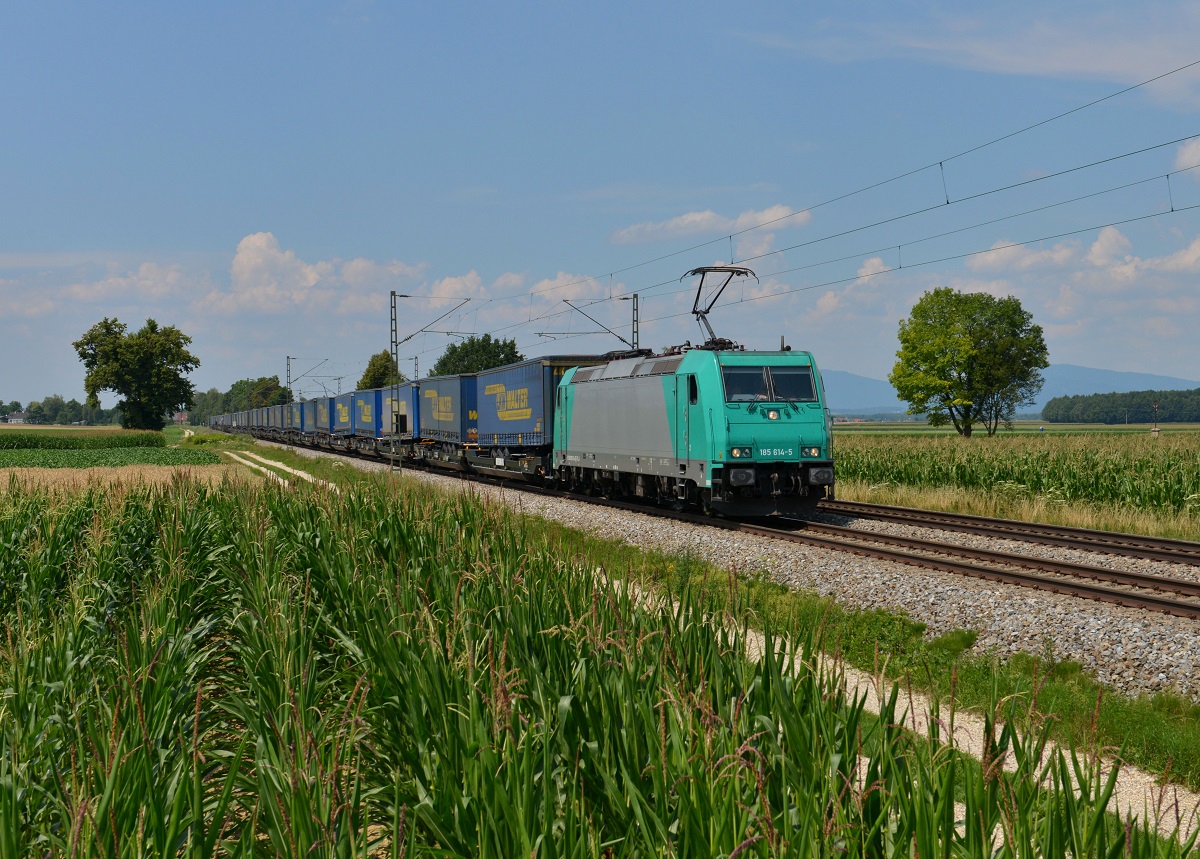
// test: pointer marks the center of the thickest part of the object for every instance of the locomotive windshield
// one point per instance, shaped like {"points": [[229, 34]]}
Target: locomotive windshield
{"points": [[794, 383], [774, 384]]}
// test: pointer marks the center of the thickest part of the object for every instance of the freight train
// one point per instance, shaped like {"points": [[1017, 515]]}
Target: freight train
{"points": [[735, 432]]}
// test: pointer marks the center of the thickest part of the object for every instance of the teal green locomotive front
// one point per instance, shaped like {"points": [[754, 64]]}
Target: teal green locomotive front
{"points": [[741, 433]]}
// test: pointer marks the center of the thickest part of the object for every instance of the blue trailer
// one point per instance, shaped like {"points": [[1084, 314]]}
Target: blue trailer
{"points": [[367, 414], [294, 417], [516, 402], [342, 422], [447, 412], [324, 411], [402, 404], [308, 419]]}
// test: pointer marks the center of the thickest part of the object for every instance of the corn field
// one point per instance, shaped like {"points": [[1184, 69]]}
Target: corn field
{"points": [[1103, 468], [238, 671], [78, 439], [112, 457]]}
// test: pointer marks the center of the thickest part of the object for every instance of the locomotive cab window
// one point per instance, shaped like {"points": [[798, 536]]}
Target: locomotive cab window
{"points": [[794, 383], [745, 384], [774, 384]]}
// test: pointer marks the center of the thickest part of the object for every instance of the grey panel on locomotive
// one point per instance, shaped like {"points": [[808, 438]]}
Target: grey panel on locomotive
{"points": [[623, 420]]}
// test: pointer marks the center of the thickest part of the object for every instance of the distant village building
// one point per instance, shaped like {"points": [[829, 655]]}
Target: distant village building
{"points": [[18, 417], [180, 418]]}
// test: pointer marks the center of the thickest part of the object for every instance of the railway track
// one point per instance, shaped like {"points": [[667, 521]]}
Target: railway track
{"points": [[1105, 542], [1133, 590], [1174, 596]]}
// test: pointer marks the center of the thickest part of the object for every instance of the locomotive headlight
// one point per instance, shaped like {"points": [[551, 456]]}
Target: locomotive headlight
{"points": [[811, 451], [773, 414], [740, 453]]}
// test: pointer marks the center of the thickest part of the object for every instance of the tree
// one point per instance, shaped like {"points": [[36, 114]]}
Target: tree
{"points": [[247, 394], [475, 354], [968, 358], [146, 368], [381, 371]]}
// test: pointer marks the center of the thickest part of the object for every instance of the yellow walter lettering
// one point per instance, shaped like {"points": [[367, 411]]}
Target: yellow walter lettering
{"points": [[443, 407], [512, 405]]}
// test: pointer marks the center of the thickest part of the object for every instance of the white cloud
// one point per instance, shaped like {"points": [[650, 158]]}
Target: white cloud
{"points": [[469, 285], [573, 286], [1109, 246], [508, 282], [362, 273], [1189, 156], [1110, 252], [149, 281], [1185, 260], [1007, 255], [873, 266], [31, 305], [855, 297], [1127, 44], [708, 221], [265, 278], [754, 245]]}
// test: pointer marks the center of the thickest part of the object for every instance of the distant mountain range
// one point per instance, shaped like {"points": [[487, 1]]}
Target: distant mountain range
{"points": [[851, 394]]}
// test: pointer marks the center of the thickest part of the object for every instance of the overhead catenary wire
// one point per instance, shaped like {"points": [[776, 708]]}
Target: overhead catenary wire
{"points": [[894, 219], [883, 182], [868, 275], [529, 295]]}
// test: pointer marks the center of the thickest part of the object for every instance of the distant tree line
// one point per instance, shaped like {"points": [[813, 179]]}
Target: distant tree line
{"points": [[1136, 407], [55, 410], [242, 395]]}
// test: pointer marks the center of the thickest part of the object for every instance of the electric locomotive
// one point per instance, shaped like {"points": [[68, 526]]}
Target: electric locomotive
{"points": [[736, 432]]}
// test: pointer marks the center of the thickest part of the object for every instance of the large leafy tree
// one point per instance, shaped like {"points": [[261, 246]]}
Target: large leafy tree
{"points": [[968, 358], [475, 354], [146, 368], [381, 371]]}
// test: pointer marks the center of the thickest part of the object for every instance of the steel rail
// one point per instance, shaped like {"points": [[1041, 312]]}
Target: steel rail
{"points": [[859, 543], [1165, 584], [1104, 542]]}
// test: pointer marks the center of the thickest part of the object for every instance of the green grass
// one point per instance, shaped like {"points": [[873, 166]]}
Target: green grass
{"points": [[105, 457], [78, 439], [243, 671]]}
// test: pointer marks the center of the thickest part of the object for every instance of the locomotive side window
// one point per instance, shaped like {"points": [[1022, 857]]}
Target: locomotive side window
{"points": [[794, 383], [693, 391]]}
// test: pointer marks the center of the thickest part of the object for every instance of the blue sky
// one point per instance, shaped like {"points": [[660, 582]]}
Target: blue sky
{"points": [[261, 175]]}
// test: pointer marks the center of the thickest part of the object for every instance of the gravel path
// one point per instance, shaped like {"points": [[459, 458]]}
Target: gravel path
{"points": [[1130, 650]]}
